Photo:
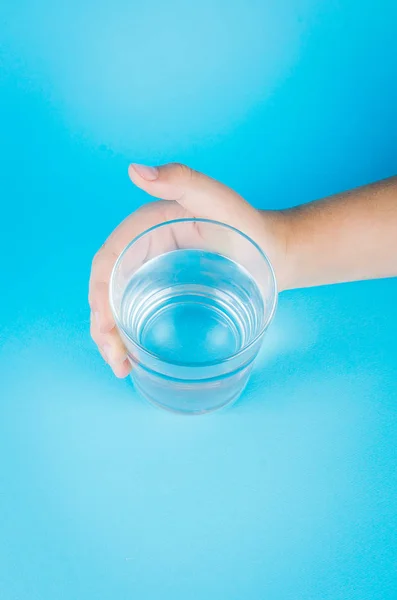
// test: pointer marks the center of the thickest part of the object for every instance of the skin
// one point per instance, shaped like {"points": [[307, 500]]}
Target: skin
{"points": [[347, 237]]}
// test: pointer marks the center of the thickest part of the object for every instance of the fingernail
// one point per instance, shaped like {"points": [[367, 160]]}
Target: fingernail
{"points": [[106, 349], [148, 173]]}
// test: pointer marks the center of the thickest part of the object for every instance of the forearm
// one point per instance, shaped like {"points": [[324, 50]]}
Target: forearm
{"points": [[347, 237]]}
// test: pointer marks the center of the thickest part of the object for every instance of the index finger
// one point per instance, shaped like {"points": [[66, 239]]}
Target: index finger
{"points": [[98, 295], [107, 255]]}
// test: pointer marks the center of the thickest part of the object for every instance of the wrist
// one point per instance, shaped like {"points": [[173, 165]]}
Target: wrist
{"points": [[277, 242], [289, 277]]}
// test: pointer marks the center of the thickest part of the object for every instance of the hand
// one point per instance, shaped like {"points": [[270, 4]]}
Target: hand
{"points": [[185, 193]]}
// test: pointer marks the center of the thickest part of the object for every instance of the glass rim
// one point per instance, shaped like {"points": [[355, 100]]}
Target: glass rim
{"points": [[190, 364]]}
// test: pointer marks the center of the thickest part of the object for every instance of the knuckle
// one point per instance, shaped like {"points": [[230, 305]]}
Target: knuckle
{"points": [[183, 171], [98, 255], [92, 294], [94, 334]]}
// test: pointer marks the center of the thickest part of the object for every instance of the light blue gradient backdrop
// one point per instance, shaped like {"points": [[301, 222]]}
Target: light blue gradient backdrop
{"points": [[290, 495]]}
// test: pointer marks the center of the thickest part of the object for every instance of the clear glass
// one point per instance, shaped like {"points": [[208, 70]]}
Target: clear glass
{"points": [[192, 299]]}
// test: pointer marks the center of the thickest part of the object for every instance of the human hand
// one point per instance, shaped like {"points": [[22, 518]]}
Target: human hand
{"points": [[185, 193]]}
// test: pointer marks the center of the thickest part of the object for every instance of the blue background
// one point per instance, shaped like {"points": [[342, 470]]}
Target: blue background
{"points": [[292, 493]]}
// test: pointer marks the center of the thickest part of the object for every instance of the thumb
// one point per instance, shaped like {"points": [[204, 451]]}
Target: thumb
{"points": [[201, 195]]}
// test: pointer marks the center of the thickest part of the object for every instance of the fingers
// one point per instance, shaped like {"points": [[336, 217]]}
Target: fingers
{"points": [[103, 328], [201, 195], [111, 348], [100, 307], [105, 259]]}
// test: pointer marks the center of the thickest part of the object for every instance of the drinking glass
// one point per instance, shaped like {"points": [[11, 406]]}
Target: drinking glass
{"points": [[192, 299]]}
